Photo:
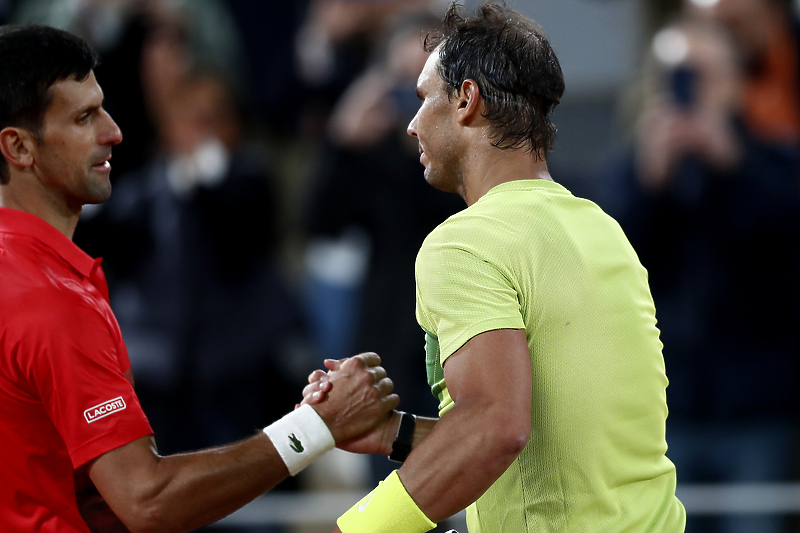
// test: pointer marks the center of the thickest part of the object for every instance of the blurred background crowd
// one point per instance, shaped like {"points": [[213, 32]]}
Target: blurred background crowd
{"points": [[268, 205]]}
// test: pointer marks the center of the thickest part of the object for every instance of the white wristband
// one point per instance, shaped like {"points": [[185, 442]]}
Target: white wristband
{"points": [[300, 438]]}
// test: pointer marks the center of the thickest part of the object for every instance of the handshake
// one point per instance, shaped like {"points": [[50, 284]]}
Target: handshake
{"points": [[351, 406], [354, 398]]}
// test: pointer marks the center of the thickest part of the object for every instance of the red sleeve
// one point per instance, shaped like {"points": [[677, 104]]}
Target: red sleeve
{"points": [[79, 370]]}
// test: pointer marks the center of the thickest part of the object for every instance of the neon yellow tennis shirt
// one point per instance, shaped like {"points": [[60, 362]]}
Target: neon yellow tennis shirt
{"points": [[531, 255]]}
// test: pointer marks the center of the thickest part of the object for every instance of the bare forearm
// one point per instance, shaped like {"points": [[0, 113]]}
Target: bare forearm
{"points": [[423, 426], [206, 486], [459, 459], [187, 491]]}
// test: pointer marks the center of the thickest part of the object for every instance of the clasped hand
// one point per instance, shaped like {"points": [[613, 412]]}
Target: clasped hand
{"points": [[354, 398]]}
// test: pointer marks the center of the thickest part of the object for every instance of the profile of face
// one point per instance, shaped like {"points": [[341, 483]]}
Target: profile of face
{"points": [[434, 129], [73, 158]]}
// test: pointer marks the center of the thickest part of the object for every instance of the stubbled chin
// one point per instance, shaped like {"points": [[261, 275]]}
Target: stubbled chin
{"points": [[98, 190], [429, 177]]}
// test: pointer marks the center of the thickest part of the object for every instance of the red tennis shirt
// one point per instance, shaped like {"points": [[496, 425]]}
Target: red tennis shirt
{"points": [[66, 387]]}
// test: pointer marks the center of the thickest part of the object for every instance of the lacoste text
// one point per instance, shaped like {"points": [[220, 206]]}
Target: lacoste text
{"points": [[104, 409]]}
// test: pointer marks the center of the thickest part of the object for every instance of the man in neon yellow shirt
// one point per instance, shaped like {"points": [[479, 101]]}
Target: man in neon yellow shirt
{"points": [[542, 345]]}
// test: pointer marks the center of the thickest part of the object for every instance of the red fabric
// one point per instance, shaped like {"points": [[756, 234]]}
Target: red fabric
{"points": [[64, 395]]}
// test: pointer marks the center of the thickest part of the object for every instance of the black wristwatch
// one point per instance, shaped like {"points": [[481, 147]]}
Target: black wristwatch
{"points": [[401, 446]]}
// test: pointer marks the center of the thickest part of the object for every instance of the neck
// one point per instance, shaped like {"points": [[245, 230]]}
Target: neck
{"points": [[493, 166], [40, 204]]}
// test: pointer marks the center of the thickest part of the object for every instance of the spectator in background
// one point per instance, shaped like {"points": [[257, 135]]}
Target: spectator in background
{"points": [[368, 201], [194, 281], [712, 207], [335, 44], [767, 36]]}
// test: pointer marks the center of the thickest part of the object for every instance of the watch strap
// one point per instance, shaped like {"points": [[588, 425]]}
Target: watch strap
{"points": [[401, 446]]}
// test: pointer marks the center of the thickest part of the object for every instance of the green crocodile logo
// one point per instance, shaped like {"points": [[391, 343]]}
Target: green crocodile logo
{"points": [[296, 444]]}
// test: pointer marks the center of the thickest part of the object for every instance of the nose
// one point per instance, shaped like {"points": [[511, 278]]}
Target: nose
{"points": [[412, 126], [111, 134]]}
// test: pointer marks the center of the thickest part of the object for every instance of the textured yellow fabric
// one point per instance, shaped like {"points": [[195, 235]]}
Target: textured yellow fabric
{"points": [[530, 255], [387, 509]]}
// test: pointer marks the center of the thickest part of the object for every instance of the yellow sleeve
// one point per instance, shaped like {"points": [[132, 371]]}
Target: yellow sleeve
{"points": [[461, 293]]}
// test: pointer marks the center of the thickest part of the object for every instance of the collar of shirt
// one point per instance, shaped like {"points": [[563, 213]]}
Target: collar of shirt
{"points": [[23, 223]]}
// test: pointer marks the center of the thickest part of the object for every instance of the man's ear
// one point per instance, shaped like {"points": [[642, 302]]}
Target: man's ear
{"points": [[17, 146], [470, 102]]}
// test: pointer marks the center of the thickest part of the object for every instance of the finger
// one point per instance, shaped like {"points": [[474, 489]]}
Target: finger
{"points": [[368, 358], [385, 386], [334, 364], [378, 373], [318, 386], [391, 402], [317, 375], [308, 390], [356, 366], [313, 398], [317, 397]]}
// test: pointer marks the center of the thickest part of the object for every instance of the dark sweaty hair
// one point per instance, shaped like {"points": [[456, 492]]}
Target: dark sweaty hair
{"points": [[516, 70], [33, 58]]}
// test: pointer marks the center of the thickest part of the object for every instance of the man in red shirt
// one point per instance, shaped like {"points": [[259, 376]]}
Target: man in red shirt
{"points": [[78, 452]]}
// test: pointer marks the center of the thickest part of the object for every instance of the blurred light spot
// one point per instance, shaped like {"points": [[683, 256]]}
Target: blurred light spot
{"points": [[670, 46], [705, 3]]}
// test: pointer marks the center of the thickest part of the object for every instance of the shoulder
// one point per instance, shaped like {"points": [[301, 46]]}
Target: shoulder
{"points": [[471, 243], [484, 229], [461, 227], [51, 299], [449, 241]]}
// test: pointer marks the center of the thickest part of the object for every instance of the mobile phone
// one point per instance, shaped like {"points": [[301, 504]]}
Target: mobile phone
{"points": [[683, 85]]}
